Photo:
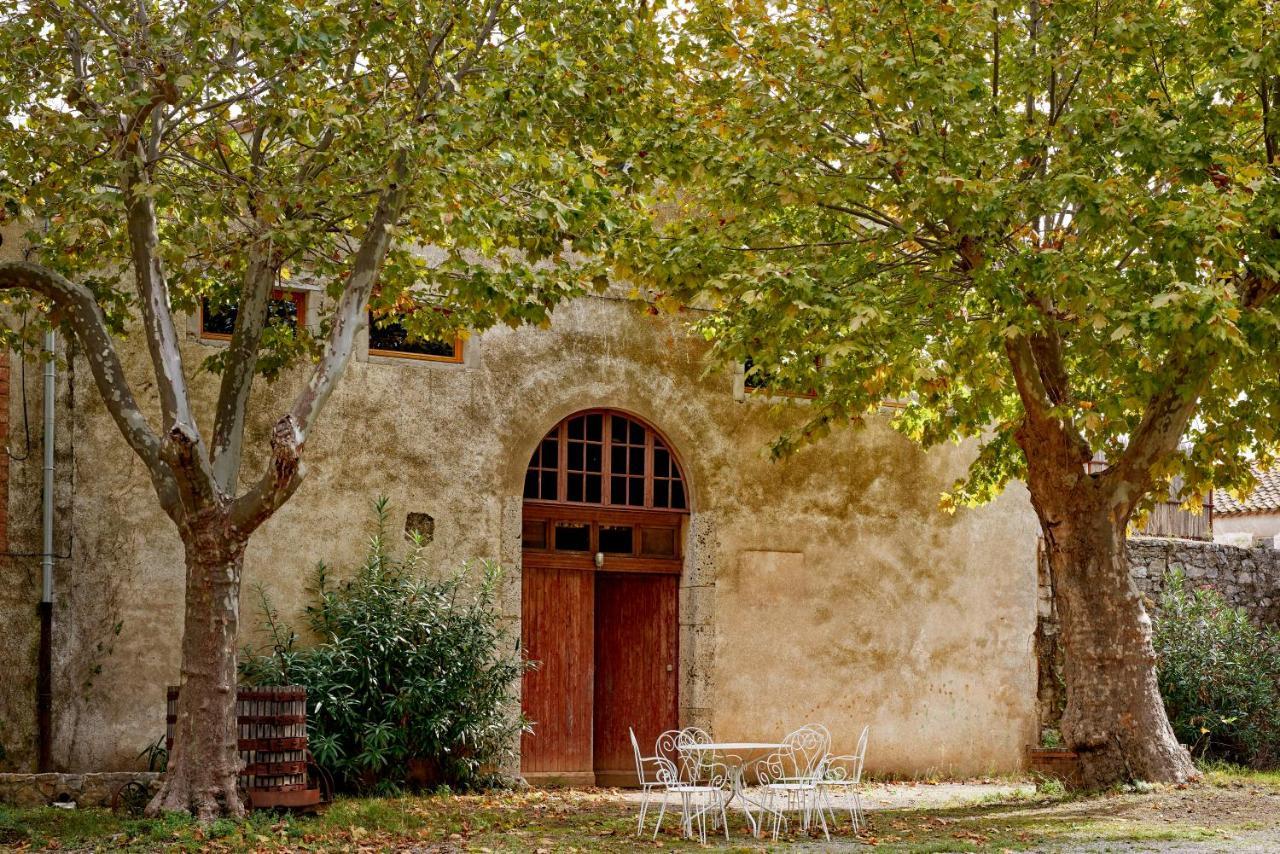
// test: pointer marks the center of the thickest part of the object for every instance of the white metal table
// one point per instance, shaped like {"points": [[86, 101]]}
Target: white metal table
{"points": [[736, 755]]}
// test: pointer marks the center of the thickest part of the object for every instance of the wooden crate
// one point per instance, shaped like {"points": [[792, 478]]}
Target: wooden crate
{"points": [[272, 739], [1056, 763]]}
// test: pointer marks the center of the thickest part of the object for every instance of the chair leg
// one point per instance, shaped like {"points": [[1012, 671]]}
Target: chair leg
{"points": [[661, 813], [822, 818], [824, 802], [778, 818], [644, 807]]}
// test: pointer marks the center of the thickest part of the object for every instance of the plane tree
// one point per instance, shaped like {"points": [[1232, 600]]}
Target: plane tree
{"points": [[160, 152], [1050, 227]]}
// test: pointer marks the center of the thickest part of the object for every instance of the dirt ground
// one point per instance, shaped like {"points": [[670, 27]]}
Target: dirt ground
{"points": [[1233, 811]]}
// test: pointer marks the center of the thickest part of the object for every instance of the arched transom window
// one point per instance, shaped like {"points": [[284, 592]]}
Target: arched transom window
{"points": [[608, 459]]}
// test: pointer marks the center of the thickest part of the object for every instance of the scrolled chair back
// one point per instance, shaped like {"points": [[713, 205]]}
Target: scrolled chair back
{"points": [[667, 774], [807, 748], [668, 745], [774, 768], [848, 768], [692, 761]]}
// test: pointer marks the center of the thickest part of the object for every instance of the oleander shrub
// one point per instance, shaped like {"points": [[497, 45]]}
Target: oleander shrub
{"points": [[1219, 675], [409, 674]]}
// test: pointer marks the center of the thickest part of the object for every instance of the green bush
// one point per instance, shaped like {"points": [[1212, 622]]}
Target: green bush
{"points": [[409, 678], [1219, 675]]}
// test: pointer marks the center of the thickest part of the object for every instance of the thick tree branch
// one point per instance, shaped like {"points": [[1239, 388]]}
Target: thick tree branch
{"points": [[1170, 410], [1040, 376], [153, 294], [350, 316], [1163, 424], [181, 451], [77, 307], [241, 363], [284, 475]]}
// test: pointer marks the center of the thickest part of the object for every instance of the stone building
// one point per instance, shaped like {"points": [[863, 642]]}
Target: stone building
{"points": [[660, 565]]}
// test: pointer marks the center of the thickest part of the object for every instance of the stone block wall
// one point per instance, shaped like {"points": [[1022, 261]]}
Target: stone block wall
{"points": [[1247, 578], [84, 790]]}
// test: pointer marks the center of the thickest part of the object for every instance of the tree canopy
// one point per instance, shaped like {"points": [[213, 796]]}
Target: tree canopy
{"points": [[160, 152], [900, 201], [264, 133]]}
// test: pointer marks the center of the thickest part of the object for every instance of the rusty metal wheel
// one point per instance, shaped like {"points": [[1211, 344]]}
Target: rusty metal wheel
{"points": [[131, 798]]}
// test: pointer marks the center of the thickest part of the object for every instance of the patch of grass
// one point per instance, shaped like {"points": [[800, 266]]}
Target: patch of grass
{"points": [[1227, 774], [588, 820]]}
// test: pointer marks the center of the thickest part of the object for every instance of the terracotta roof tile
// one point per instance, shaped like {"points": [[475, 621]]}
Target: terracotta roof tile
{"points": [[1265, 497]]}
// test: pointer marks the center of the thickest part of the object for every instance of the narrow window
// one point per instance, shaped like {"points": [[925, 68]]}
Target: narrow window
{"points": [[616, 539], [573, 537], [387, 337], [218, 320], [758, 380]]}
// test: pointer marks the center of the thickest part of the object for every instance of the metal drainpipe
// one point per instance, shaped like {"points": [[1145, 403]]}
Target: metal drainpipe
{"points": [[44, 675]]}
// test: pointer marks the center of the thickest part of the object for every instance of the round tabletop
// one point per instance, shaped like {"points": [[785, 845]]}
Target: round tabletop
{"points": [[731, 746]]}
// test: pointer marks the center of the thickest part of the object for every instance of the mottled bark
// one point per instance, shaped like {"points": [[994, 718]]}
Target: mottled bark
{"points": [[201, 777], [240, 366], [1114, 716], [153, 292]]}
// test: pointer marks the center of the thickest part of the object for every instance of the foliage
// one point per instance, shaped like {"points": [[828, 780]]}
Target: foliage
{"points": [[278, 123], [1219, 675], [157, 755], [455, 164], [884, 201], [407, 671]]}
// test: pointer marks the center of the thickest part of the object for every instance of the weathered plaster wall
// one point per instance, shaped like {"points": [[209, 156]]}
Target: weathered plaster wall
{"points": [[20, 563], [880, 610], [1261, 525]]}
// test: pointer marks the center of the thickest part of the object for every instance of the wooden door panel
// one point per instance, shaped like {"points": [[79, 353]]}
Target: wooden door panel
{"points": [[557, 631], [637, 668]]}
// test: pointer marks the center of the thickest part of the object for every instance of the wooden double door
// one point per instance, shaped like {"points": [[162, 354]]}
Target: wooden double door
{"points": [[603, 627]]}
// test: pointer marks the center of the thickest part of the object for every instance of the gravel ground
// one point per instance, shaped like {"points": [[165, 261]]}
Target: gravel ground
{"points": [[989, 815]]}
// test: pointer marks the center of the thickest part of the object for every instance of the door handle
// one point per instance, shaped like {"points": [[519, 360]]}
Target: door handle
{"points": [[599, 559], [670, 667]]}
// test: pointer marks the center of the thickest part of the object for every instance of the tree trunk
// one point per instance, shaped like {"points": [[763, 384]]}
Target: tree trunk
{"points": [[1114, 717], [202, 770]]}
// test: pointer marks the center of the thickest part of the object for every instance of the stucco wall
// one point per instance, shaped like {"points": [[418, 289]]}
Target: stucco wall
{"points": [[1261, 525], [827, 587]]}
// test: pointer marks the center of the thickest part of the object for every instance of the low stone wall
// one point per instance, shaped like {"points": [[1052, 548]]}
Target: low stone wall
{"points": [[1247, 578], [86, 790]]}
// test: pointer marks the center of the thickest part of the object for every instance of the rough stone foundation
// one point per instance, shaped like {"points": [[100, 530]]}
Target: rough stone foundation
{"points": [[86, 790]]}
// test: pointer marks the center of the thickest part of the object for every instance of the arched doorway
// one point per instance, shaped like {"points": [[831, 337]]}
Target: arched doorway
{"points": [[605, 507]]}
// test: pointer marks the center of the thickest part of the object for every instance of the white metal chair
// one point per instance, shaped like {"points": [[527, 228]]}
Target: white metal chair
{"points": [[647, 768], [699, 785], [689, 759], [844, 774], [789, 778]]}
